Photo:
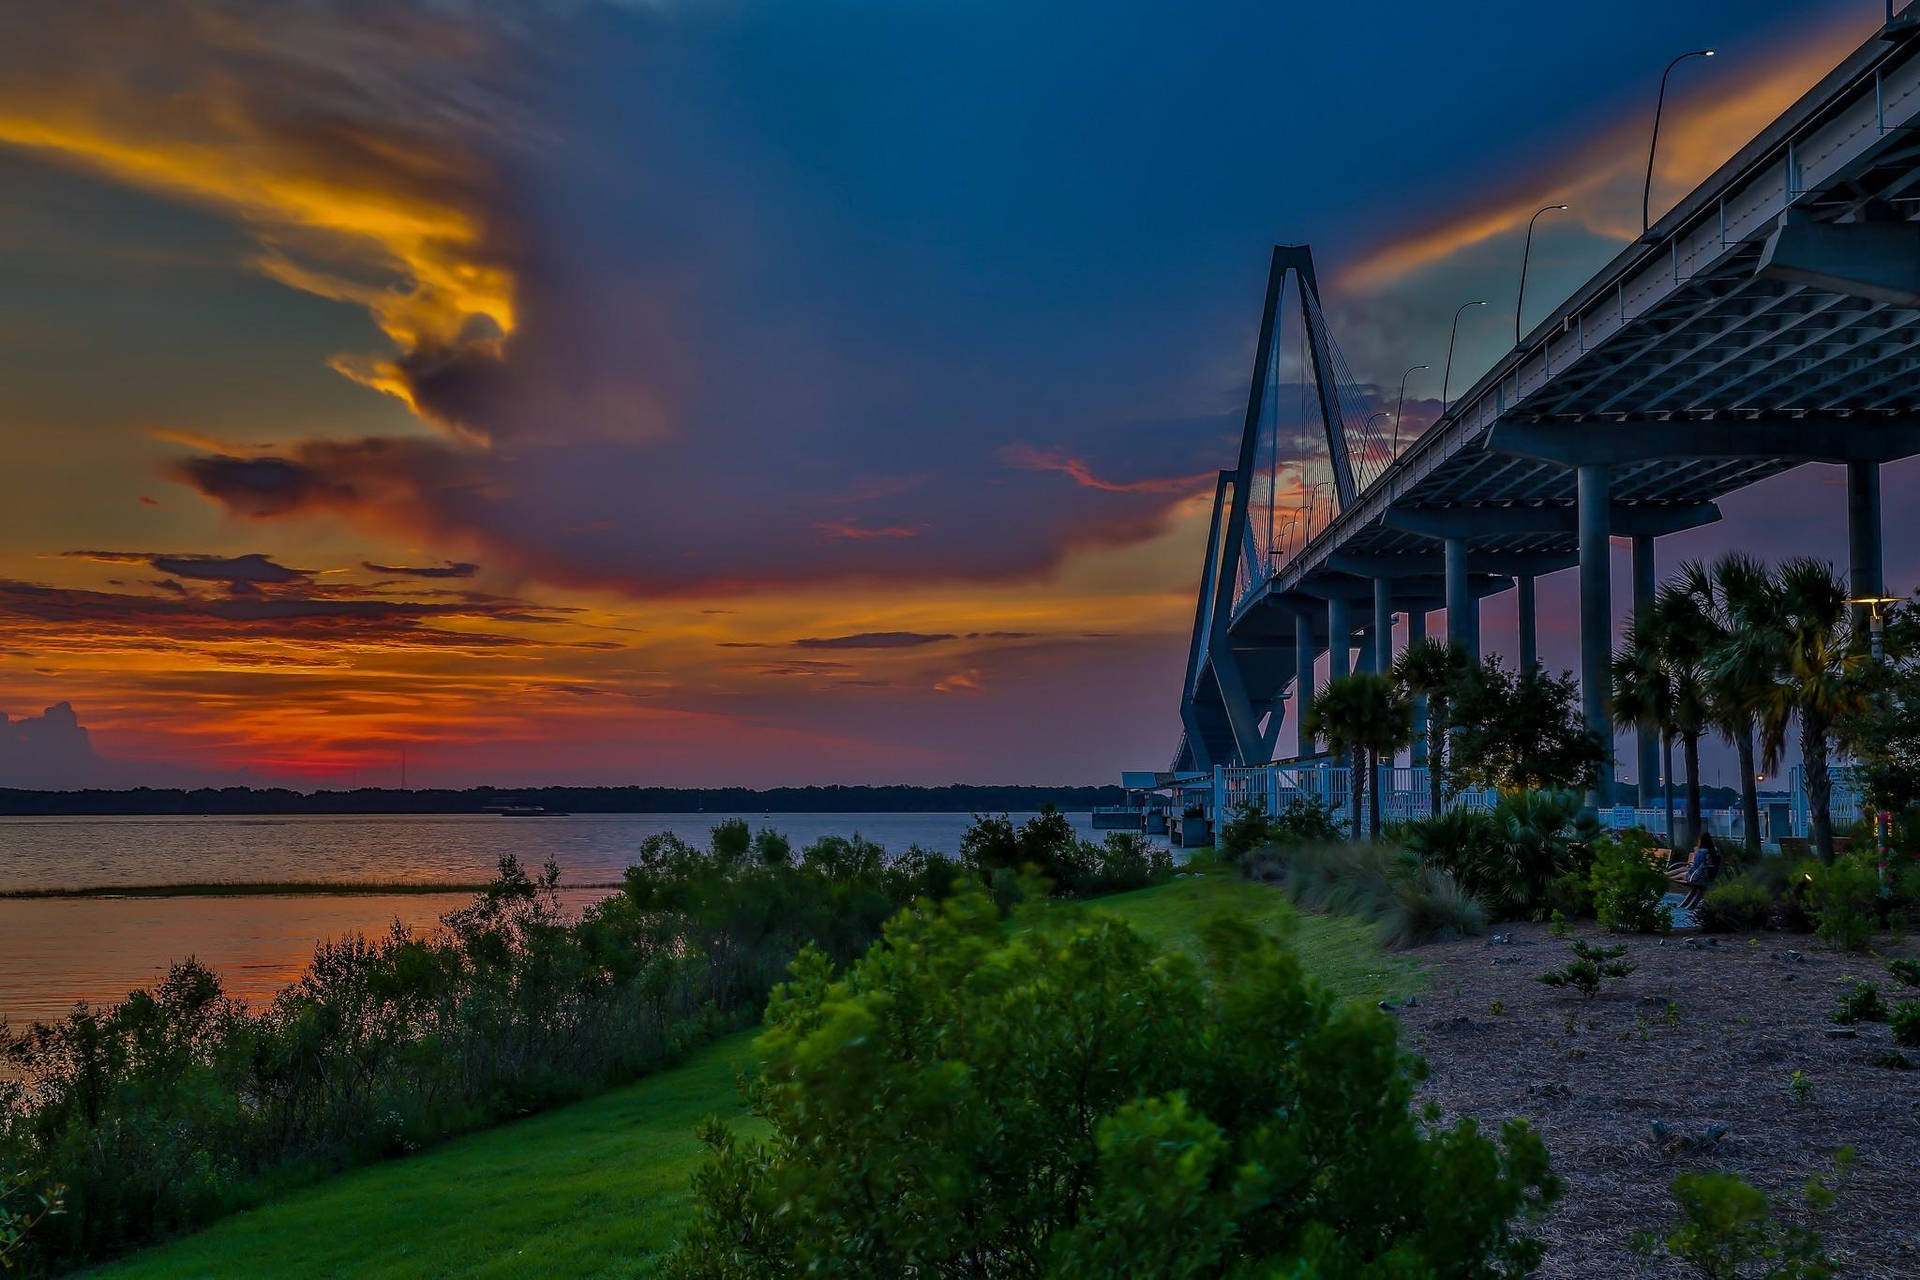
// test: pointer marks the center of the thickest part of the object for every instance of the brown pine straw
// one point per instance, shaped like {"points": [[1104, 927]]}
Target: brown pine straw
{"points": [[1748, 1017]]}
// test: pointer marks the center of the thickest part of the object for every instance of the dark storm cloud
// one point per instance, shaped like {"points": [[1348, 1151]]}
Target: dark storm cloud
{"points": [[873, 640], [240, 574], [453, 569]]}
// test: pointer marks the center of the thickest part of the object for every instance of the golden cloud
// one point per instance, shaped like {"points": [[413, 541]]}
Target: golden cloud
{"points": [[348, 195], [1698, 134]]}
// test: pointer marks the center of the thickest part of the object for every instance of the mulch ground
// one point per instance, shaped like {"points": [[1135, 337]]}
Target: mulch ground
{"points": [[1627, 1091]]}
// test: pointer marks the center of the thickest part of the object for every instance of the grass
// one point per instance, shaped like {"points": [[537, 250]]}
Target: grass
{"points": [[594, 1189], [265, 889], [600, 1188], [1341, 951]]}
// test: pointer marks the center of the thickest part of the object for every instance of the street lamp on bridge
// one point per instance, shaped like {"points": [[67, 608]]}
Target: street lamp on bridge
{"points": [[1446, 379], [1526, 256], [1646, 192], [1402, 403]]}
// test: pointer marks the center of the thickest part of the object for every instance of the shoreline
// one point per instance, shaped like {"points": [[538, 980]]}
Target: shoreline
{"points": [[269, 889]]}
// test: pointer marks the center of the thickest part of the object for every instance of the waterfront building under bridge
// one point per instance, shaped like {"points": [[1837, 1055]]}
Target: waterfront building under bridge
{"points": [[1771, 319]]}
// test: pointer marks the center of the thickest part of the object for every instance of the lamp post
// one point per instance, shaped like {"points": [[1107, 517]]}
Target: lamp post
{"points": [[1446, 379], [1313, 500], [1646, 192], [1877, 621], [1379, 413], [1526, 256], [1402, 403]]}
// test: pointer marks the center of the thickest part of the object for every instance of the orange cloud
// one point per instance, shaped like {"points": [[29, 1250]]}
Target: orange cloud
{"points": [[1027, 458], [285, 127], [1601, 178]]}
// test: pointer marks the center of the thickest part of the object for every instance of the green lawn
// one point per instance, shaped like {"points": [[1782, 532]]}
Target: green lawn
{"points": [[599, 1188], [595, 1189]]}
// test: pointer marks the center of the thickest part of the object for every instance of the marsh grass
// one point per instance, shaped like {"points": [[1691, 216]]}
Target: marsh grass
{"points": [[268, 889], [1408, 902]]}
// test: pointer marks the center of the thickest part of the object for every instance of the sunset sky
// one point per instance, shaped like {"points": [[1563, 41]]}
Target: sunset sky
{"points": [[702, 391]]}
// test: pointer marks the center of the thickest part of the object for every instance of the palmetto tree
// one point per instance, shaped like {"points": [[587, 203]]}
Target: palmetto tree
{"points": [[1365, 717], [1721, 596], [1798, 632], [1432, 669], [1687, 651], [1643, 696]]}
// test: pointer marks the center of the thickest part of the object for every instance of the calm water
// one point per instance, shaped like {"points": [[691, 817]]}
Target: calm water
{"points": [[54, 952]]}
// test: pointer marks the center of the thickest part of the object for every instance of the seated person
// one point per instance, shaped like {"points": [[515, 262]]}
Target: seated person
{"points": [[1698, 873]]}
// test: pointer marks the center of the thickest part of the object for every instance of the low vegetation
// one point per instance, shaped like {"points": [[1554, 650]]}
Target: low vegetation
{"points": [[1069, 1100], [602, 1188], [178, 1105], [1589, 967]]}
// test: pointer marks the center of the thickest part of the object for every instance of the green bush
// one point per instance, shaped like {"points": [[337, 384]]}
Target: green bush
{"points": [[1862, 1003], [1843, 898], [1513, 858], [1905, 1020], [1245, 829], [1306, 818], [1069, 1101], [1726, 1229], [1740, 905], [179, 1103], [1905, 970], [1627, 886], [1046, 845]]}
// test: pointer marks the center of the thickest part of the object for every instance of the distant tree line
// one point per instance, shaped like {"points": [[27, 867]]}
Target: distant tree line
{"points": [[272, 800]]}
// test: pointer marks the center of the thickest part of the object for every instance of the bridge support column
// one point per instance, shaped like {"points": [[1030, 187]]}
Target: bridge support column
{"points": [[1528, 618], [1383, 625], [1303, 655], [1644, 586], [1864, 568], [1339, 638], [1596, 616], [1463, 611], [1416, 632]]}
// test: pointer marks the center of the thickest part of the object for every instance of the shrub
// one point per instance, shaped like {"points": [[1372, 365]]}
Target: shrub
{"points": [[1627, 886], [1905, 1019], [1589, 967], [25, 1199], [1068, 1101], [1843, 899], [178, 1104], [1862, 1003], [1245, 829], [1740, 905], [1512, 858], [1726, 1228], [1305, 819], [1905, 970]]}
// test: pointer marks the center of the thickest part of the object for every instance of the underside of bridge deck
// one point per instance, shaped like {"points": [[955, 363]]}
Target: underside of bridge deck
{"points": [[1772, 319]]}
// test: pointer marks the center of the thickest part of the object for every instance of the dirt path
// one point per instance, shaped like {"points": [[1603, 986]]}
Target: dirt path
{"points": [[1703, 1037]]}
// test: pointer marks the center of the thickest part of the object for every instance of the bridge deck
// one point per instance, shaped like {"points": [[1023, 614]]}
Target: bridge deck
{"points": [[1771, 319]]}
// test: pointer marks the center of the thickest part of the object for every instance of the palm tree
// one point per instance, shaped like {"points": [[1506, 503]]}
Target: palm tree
{"points": [[1721, 596], [1643, 693], [1432, 669], [1799, 632], [1686, 649], [1362, 716]]}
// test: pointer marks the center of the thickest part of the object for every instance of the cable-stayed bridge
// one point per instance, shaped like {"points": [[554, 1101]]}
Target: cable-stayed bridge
{"points": [[1771, 319]]}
